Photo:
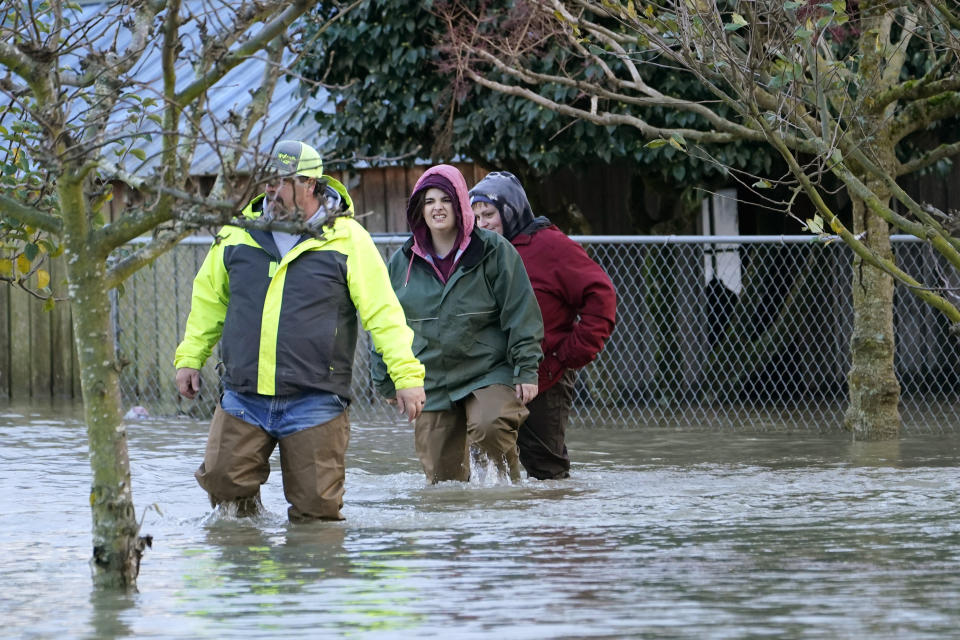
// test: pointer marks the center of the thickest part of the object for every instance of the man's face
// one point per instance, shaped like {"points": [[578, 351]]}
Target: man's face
{"points": [[488, 217], [289, 198]]}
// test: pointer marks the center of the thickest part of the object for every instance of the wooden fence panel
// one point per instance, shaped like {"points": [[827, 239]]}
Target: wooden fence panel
{"points": [[373, 187], [40, 343], [5, 342], [396, 193], [20, 366], [62, 351]]}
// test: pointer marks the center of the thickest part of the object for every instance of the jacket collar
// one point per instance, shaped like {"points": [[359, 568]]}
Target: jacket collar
{"points": [[470, 258]]}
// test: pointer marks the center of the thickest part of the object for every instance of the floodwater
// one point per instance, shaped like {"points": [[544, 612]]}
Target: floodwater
{"points": [[658, 534]]}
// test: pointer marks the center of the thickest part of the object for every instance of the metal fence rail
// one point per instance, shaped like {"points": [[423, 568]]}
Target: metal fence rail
{"points": [[712, 332]]}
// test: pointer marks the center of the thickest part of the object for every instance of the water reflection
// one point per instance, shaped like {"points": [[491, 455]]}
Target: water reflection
{"points": [[275, 559], [659, 534], [108, 614], [876, 454]]}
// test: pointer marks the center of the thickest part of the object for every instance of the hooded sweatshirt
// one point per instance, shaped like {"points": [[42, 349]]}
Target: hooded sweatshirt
{"points": [[576, 298], [477, 327], [450, 181], [439, 179]]}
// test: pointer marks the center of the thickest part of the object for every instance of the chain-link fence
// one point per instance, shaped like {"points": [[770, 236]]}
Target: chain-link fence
{"points": [[712, 332]]}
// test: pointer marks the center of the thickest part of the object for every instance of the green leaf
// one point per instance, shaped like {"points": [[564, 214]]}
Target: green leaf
{"points": [[762, 184], [793, 6], [816, 224], [655, 144], [139, 153], [30, 251], [49, 304]]}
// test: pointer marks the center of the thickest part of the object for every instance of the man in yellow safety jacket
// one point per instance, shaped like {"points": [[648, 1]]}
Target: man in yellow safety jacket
{"points": [[285, 307]]}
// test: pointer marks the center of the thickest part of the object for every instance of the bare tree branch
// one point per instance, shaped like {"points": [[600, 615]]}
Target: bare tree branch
{"points": [[921, 88], [928, 159], [251, 46], [162, 242], [34, 217]]}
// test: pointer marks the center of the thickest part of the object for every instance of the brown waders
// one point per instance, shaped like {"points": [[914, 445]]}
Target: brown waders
{"points": [[237, 462], [488, 419]]}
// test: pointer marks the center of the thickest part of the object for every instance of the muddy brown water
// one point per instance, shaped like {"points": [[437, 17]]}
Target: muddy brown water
{"points": [[658, 534]]}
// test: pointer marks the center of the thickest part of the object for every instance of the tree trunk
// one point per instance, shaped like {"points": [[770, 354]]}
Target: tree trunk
{"points": [[116, 545], [873, 413]]}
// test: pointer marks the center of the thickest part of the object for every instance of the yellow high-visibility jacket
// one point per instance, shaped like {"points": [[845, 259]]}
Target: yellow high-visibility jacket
{"points": [[289, 324]]}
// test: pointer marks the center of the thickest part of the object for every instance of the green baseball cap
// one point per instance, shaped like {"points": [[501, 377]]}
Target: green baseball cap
{"points": [[292, 157]]}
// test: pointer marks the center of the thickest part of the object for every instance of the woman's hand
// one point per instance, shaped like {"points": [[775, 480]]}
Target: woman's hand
{"points": [[410, 401], [526, 393]]}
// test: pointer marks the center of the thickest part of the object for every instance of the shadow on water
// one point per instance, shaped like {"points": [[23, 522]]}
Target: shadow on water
{"points": [[658, 534]]}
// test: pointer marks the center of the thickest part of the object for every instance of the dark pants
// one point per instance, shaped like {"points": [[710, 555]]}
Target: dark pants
{"points": [[543, 450]]}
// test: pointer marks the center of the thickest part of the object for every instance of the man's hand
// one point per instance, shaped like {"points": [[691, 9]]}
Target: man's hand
{"points": [[410, 401], [526, 393], [188, 382]]}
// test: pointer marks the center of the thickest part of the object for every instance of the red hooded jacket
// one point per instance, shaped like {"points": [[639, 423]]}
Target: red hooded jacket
{"points": [[577, 299]]}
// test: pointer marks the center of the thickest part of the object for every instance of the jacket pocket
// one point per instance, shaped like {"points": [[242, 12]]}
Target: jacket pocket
{"points": [[472, 326]]}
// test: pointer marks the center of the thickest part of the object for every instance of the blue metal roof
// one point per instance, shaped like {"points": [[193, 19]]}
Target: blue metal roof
{"points": [[289, 116]]}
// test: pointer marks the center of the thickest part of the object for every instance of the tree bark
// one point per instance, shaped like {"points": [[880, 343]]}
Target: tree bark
{"points": [[873, 413], [117, 547]]}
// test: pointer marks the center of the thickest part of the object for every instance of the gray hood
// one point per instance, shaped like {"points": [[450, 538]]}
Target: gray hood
{"points": [[504, 191]]}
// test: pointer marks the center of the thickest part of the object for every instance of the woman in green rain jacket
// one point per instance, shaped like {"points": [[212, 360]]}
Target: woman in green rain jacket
{"points": [[477, 330]]}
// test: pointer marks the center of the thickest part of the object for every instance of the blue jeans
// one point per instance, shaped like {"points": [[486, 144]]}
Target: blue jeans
{"points": [[281, 416]]}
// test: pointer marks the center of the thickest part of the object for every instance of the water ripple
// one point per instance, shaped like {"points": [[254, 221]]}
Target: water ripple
{"points": [[658, 534]]}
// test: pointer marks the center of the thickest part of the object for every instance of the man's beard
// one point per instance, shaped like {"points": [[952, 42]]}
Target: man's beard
{"points": [[278, 210]]}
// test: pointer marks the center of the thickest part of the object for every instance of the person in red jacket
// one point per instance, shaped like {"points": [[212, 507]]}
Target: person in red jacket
{"points": [[578, 304]]}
